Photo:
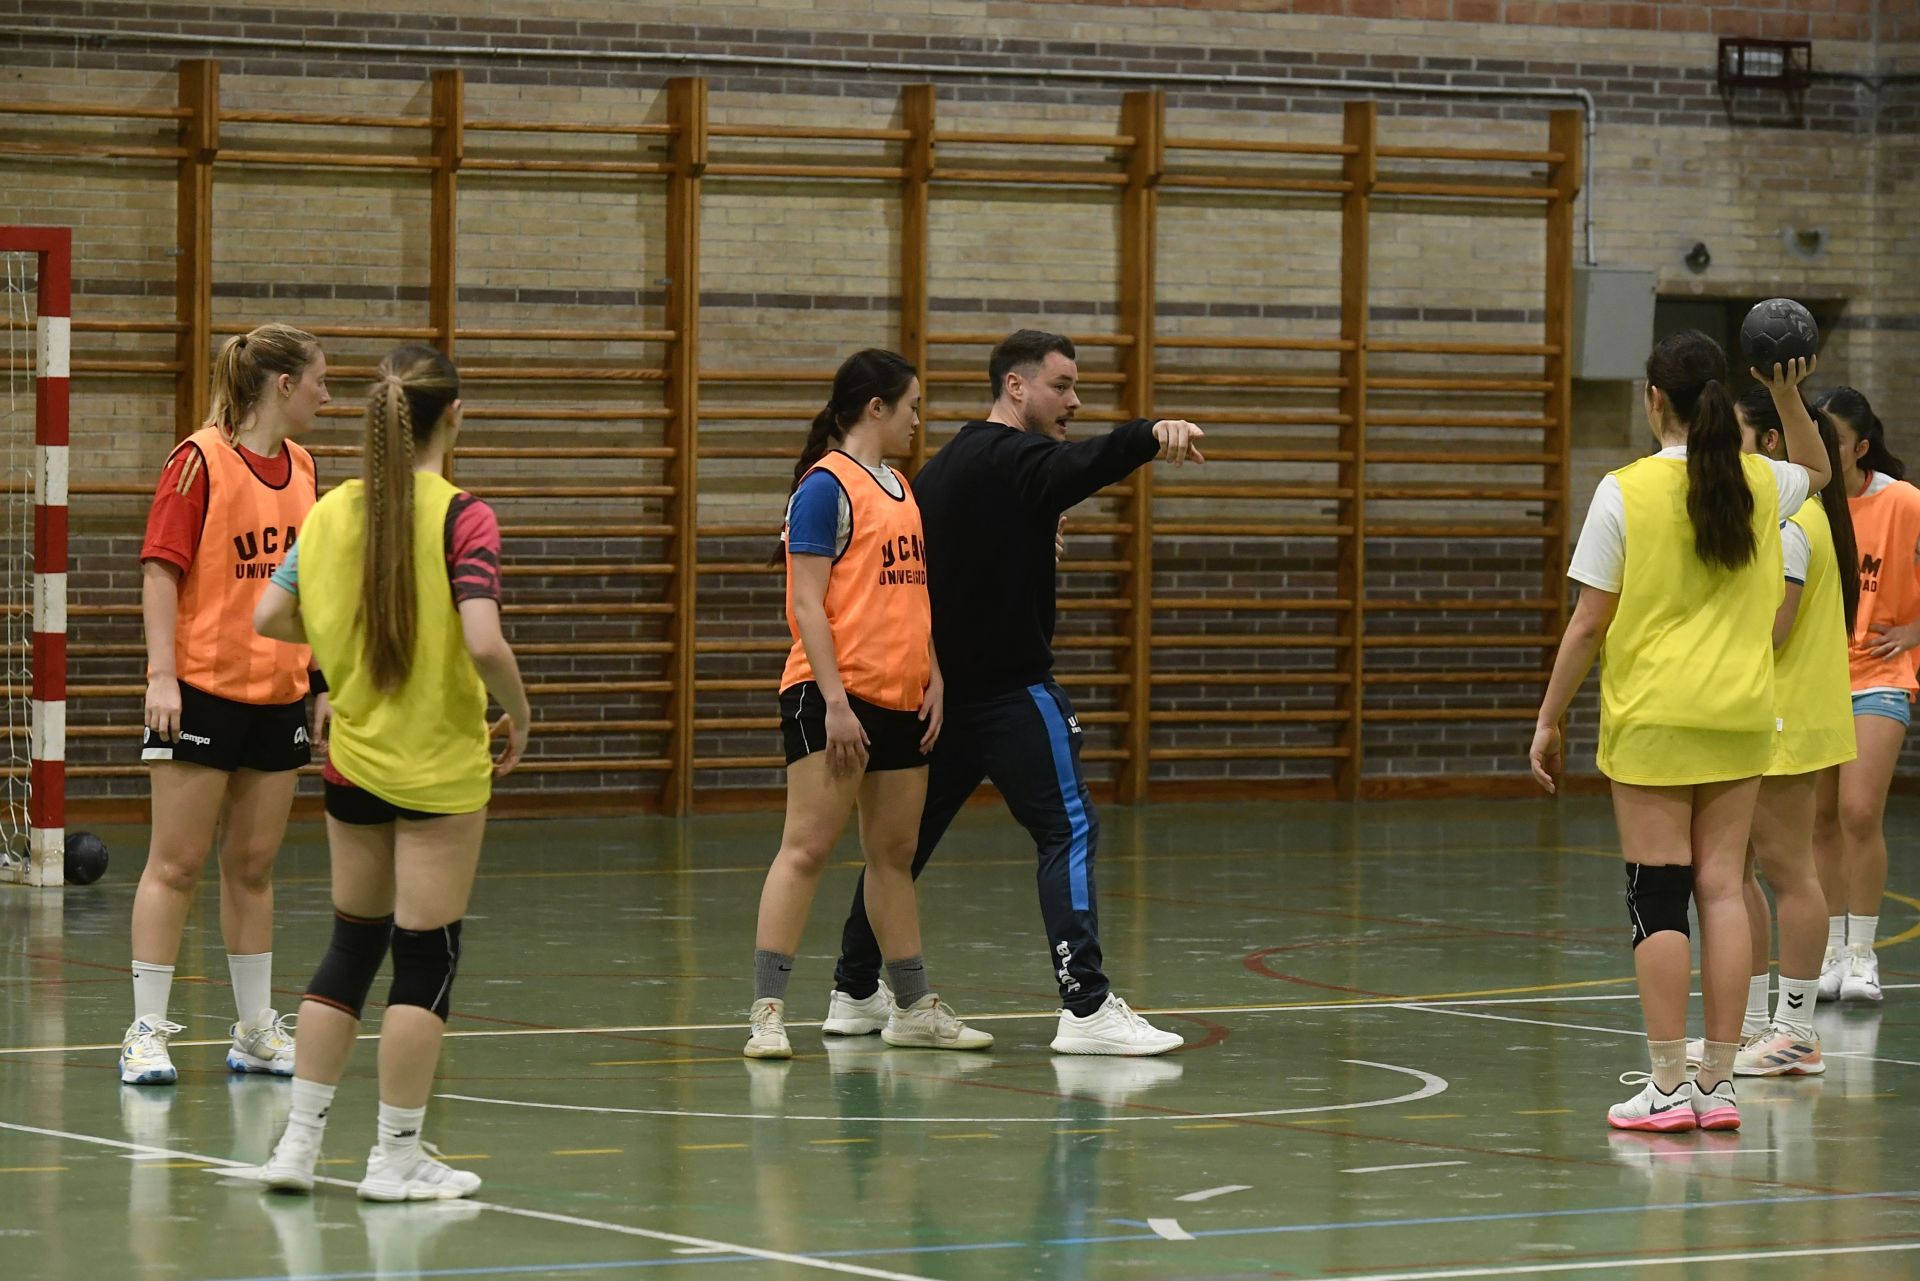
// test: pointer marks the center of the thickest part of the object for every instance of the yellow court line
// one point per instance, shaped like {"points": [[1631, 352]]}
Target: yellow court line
{"points": [[965, 1136], [465, 1156], [836, 1143], [338, 1160], [588, 1151], [709, 1147], [31, 1169], [1207, 1125]]}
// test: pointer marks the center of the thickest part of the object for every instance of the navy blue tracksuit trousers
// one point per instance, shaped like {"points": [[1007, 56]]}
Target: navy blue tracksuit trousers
{"points": [[1028, 742]]}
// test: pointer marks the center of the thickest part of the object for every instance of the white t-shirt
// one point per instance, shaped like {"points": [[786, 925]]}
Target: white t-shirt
{"points": [[1796, 551], [1600, 557]]}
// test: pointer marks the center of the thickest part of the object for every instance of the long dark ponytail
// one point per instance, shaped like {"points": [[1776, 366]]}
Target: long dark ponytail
{"points": [[1691, 370], [1758, 409], [1846, 403], [863, 377]]}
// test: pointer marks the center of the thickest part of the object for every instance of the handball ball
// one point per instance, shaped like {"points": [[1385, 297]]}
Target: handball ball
{"points": [[86, 858], [1776, 331]]}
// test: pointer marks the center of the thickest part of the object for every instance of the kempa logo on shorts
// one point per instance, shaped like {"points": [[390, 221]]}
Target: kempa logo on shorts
{"points": [[196, 738]]}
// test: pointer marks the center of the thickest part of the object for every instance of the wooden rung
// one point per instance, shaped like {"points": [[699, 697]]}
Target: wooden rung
{"points": [[1092, 642], [1470, 153], [1459, 604], [1093, 604], [1028, 177], [1263, 146], [1292, 604], [739, 762], [1252, 640], [1460, 493], [560, 413], [992, 337], [1461, 456], [1515, 385], [347, 331], [713, 723], [327, 160], [851, 173], [528, 165], [1252, 491], [742, 645], [559, 373], [1248, 753], [1463, 348], [1254, 182], [1459, 641], [1330, 382], [1327, 717], [519, 126], [466, 452], [969, 377], [16, 107], [1403, 714], [1280, 455], [563, 335], [1465, 190], [1223, 529], [974, 137], [572, 570], [1436, 529], [1477, 422], [91, 150], [1224, 343], [809, 133], [324, 118]]}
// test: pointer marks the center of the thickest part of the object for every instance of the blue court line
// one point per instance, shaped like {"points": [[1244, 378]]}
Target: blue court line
{"points": [[959, 1248], [1069, 779]]}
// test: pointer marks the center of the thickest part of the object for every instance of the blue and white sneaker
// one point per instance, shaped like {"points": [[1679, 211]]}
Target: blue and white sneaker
{"points": [[267, 1047], [143, 1052]]}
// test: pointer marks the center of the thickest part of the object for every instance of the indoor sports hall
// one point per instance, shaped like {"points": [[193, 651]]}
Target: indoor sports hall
{"points": [[1407, 310]]}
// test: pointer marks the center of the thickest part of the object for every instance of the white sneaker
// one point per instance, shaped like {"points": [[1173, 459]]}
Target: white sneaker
{"points": [[1697, 1047], [290, 1168], [767, 1038], [143, 1053], [848, 1017], [1112, 1029], [265, 1047], [928, 1024], [1652, 1110], [1862, 981], [1112, 1081], [1714, 1109], [1833, 972], [427, 1179]]}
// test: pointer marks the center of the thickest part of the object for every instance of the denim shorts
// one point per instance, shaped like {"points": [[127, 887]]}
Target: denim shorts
{"points": [[1890, 703]]}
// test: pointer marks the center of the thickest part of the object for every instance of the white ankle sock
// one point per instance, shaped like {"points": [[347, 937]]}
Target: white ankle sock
{"points": [[400, 1130], [1837, 934], [311, 1102], [1755, 1019], [1794, 1013], [1860, 932], [152, 989], [252, 986]]}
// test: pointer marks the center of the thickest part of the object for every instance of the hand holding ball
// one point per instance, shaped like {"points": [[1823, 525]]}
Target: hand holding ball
{"points": [[1778, 332]]}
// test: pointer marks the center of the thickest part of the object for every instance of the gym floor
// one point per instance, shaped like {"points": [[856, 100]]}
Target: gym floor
{"points": [[1404, 1025]]}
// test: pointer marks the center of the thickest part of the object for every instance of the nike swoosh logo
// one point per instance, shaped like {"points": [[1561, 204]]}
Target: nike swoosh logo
{"points": [[1668, 1107]]}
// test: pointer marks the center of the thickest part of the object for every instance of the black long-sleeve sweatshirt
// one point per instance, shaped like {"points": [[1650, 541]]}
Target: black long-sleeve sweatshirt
{"points": [[991, 500]]}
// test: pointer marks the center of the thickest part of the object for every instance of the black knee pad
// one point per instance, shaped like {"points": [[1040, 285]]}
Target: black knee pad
{"points": [[424, 963], [1657, 900], [353, 959]]}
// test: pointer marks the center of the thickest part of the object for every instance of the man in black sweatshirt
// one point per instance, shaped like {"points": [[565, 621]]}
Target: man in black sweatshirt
{"points": [[992, 501]]}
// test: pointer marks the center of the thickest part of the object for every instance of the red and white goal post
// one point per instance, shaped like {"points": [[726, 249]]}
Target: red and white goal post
{"points": [[48, 306]]}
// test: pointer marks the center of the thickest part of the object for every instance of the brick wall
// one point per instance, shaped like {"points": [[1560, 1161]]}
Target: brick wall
{"points": [[794, 275]]}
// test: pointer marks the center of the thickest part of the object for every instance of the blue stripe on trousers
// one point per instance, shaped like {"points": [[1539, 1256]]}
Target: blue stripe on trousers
{"points": [[1069, 794]]}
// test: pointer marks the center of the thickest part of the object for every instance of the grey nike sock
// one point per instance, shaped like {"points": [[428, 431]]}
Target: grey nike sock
{"points": [[771, 970], [908, 978]]}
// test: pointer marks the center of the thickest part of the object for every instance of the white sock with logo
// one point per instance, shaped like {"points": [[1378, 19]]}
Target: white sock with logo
{"points": [[1794, 1012], [152, 989], [400, 1134]]}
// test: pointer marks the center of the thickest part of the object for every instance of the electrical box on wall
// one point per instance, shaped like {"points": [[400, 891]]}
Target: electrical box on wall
{"points": [[1612, 321]]}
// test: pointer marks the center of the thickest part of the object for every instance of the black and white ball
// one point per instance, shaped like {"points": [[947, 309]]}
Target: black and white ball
{"points": [[1777, 331]]}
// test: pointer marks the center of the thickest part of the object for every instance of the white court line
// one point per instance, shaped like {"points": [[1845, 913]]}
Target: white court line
{"points": [[1682, 1261], [1279, 1007], [676, 1238], [1211, 1193], [1430, 1085], [1508, 1018], [1169, 1230], [1687, 1154], [1417, 1165]]}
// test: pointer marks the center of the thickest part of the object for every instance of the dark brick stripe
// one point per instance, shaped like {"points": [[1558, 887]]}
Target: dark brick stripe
{"points": [[1635, 94]]}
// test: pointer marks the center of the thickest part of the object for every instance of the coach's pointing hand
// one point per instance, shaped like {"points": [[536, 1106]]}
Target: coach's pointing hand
{"points": [[1178, 441]]}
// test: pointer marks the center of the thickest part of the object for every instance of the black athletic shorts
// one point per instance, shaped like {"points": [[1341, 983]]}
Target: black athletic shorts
{"points": [[357, 807], [224, 735], [893, 737]]}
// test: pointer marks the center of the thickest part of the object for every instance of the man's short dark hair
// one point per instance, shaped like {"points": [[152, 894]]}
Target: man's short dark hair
{"points": [[1021, 349]]}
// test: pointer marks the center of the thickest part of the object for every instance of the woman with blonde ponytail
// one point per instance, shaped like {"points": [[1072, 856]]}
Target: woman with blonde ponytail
{"points": [[1679, 566], [226, 720], [396, 585]]}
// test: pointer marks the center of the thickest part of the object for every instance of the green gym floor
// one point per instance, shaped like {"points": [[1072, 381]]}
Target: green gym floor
{"points": [[1404, 1025]]}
